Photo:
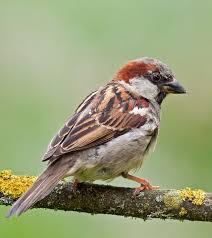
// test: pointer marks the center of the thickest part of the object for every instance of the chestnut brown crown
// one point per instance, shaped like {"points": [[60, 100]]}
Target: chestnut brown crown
{"points": [[150, 69]]}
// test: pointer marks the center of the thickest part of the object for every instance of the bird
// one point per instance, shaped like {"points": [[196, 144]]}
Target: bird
{"points": [[110, 133]]}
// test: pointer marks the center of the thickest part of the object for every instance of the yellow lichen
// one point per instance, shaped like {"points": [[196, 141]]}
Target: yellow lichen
{"points": [[182, 212], [13, 185], [172, 200], [196, 196]]}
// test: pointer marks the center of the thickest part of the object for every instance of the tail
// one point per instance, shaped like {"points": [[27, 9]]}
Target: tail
{"points": [[44, 184]]}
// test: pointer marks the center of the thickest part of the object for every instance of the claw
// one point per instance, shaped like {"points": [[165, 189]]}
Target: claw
{"points": [[147, 186], [144, 184]]}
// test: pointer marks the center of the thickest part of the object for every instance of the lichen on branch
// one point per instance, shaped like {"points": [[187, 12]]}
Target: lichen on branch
{"points": [[185, 204], [13, 185], [195, 196]]}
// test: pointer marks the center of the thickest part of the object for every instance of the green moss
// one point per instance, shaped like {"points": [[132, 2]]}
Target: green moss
{"points": [[172, 200], [183, 212], [146, 206]]}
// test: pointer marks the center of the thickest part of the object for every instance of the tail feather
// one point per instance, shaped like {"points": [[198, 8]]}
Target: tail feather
{"points": [[44, 184]]}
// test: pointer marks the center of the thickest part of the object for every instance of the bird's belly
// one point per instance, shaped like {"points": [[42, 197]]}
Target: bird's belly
{"points": [[108, 161]]}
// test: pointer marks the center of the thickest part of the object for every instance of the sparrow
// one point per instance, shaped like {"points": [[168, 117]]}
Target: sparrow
{"points": [[110, 133]]}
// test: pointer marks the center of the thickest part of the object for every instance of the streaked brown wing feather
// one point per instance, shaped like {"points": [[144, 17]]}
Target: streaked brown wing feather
{"points": [[65, 130], [59, 137], [103, 116]]}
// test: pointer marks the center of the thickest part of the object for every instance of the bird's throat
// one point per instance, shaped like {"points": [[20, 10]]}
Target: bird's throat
{"points": [[160, 97]]}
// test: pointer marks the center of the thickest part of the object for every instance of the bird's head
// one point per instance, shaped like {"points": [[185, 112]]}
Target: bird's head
{"points": [[149, 78]]}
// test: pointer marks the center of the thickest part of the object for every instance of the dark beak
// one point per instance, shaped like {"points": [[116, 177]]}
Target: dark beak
{"points": [[173, 87]]}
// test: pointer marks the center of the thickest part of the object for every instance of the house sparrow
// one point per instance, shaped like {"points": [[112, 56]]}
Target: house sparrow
{"points": [[110, 132]]}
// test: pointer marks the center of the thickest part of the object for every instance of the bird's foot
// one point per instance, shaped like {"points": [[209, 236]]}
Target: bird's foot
{"points": [[144, 184]]}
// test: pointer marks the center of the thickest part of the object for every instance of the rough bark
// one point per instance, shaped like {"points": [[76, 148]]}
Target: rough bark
{"points": [[183, 204]]}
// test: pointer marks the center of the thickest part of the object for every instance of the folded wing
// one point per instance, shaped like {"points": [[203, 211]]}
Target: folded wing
{"points": [[105, 114]]}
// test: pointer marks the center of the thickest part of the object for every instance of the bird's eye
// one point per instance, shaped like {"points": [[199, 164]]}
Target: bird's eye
{"points": [[156, 77]]}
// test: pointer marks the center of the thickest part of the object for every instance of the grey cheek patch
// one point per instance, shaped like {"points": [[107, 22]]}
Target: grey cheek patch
{"points": [[144, 88]]}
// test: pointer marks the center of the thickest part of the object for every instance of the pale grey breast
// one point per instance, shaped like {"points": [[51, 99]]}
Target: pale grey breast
{"points": [[119, 155]]}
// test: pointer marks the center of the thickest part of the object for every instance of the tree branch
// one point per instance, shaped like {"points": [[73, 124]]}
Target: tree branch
{"points": [[185, 204]]}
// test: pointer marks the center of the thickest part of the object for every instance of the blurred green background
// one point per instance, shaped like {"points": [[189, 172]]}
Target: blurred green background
{"points": [[53, 53]]}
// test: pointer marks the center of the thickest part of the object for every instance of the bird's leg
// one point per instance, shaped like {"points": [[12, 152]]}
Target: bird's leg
{"points": [[144, 184], [75, 185]]}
